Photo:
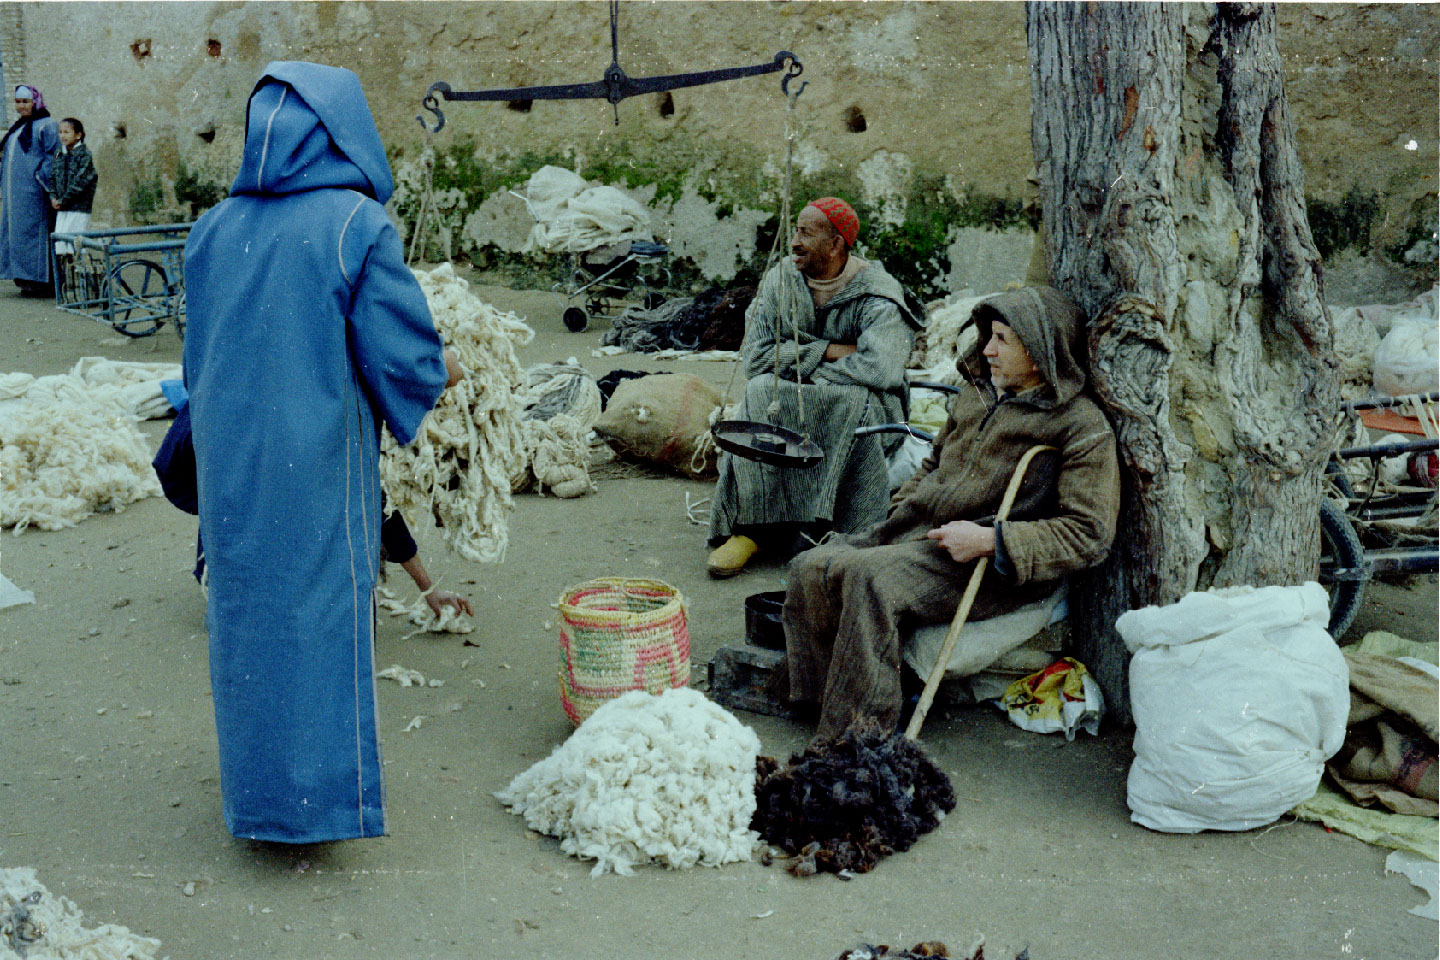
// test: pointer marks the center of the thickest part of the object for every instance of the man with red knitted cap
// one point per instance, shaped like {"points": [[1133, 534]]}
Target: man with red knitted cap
{"points": [[837, 325]]}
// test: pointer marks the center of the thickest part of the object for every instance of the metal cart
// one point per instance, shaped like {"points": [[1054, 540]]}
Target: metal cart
{"points": [[1363, 533], [599, 278], [602, 277], [132, 278]]}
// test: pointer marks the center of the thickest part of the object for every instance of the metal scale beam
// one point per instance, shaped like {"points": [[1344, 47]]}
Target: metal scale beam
{"points": [[616, 84]]}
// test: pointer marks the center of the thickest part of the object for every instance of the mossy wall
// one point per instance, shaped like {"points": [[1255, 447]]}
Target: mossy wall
{"points": [[918, 113]]}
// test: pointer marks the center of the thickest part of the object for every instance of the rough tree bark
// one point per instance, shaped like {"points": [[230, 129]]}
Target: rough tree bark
{"points": [[1173, 206]]}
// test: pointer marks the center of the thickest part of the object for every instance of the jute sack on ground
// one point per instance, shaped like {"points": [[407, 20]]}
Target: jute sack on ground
{"points": [[664, 418]]}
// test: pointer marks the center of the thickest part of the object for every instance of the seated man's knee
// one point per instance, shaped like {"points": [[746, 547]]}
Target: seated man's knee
{"points": [[855, 568]]}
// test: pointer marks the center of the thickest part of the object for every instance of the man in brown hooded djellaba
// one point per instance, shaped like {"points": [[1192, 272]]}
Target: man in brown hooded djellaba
{"points": [[849, 598]]}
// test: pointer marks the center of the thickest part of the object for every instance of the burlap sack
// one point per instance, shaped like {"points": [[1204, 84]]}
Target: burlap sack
{"points": [[663, 418]]}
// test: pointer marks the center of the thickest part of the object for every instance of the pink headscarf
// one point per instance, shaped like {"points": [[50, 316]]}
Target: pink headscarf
{"points": [[35, 94], [24, 124]]}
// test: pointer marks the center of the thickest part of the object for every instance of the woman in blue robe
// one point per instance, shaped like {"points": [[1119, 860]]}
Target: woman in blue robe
{"points": [[305, 331], [26, 216]]}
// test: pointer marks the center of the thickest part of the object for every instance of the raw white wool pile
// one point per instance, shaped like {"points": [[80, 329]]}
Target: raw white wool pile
{"points": [[944, 341], [65, 457], [458, 468], [571, 216], [561, 403], [136, 384], [419, 613], [668, 779], [132, 386], [48, 927]]}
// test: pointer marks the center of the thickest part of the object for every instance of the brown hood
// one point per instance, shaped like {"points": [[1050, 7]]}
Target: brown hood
{"points": [[1049, 326]]}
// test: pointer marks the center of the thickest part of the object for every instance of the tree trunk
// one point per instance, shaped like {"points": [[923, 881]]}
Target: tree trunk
{"points": [[1174, 215]]}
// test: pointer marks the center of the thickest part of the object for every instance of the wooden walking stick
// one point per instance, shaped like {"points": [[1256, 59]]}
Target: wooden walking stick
{"points": [[937, 672]]}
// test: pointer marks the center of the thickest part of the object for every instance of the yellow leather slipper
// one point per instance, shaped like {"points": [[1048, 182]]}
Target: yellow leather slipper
{"points": [[731, 556]]}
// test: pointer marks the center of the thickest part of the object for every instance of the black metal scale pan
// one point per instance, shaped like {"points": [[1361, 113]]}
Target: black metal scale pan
{"points": [[766, 443]]}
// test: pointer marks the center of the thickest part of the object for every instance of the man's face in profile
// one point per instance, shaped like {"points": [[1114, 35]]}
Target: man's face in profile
{"points": [[1010, 365]]}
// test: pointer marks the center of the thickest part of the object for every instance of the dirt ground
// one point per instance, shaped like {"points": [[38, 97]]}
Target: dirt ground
{"points": [[109, 788]]}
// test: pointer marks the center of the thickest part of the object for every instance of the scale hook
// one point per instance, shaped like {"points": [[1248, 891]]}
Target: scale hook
{"points": [[794, 70], [429, 102]]}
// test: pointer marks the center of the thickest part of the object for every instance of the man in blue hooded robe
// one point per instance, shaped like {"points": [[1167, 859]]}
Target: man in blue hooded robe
{"points": [[306, 330]]}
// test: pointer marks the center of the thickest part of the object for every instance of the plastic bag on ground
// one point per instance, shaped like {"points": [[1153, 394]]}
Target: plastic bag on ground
{"points": [[11, 595], [1059, 699], [1239, 697]]}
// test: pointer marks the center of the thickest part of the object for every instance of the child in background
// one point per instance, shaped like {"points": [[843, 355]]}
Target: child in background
{"points": [[72, 191]]}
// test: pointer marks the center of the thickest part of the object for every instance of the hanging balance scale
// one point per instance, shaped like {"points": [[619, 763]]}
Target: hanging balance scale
{"points": [[615, 86], [751, 440]]}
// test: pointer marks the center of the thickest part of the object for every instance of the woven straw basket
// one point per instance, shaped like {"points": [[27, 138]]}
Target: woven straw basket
{"points": [[618, 635]]}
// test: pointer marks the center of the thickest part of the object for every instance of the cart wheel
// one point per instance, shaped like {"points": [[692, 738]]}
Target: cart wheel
{"points": [[653, 299], [179, 318], [141, 283], [1337, 475], [1340, 549], [575, 319]]}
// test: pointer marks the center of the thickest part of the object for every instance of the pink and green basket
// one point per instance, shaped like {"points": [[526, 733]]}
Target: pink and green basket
{"points": [[618, 635]]}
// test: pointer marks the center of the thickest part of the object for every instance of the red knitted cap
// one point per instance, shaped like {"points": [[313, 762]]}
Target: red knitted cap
{"points": [[841, 215]]}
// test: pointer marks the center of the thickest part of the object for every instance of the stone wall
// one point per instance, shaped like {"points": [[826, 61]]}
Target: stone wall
{"points": [[917, 112]]}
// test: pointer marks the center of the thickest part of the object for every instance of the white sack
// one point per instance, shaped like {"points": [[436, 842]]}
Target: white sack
{"points": [[943, 339], [572, 216], [1383, 315], [1356, 341], [1408, 359], [906, 460], [669, 779], [1239, 697]]}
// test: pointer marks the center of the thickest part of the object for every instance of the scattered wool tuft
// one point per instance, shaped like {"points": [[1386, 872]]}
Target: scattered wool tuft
{"points": [[44, 926], [668, 779], [404, 676], [848, 802], [457, 471], [419, 613], [65, 455]]}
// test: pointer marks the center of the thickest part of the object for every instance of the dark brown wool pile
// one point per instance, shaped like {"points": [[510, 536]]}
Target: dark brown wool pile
{"points": [[712, 320], [845, 804], [930, 948]]}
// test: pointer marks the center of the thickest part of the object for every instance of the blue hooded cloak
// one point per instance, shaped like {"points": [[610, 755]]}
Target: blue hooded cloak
{"points": [[305, 331], [26, 216]]}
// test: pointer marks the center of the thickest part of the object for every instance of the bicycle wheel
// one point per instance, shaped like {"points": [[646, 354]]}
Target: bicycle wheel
{"points": [[137, 290], [1342, 566]]}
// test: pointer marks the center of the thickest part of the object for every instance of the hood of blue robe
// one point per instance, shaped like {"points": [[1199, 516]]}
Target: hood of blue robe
{"points": [[309, 127]]}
